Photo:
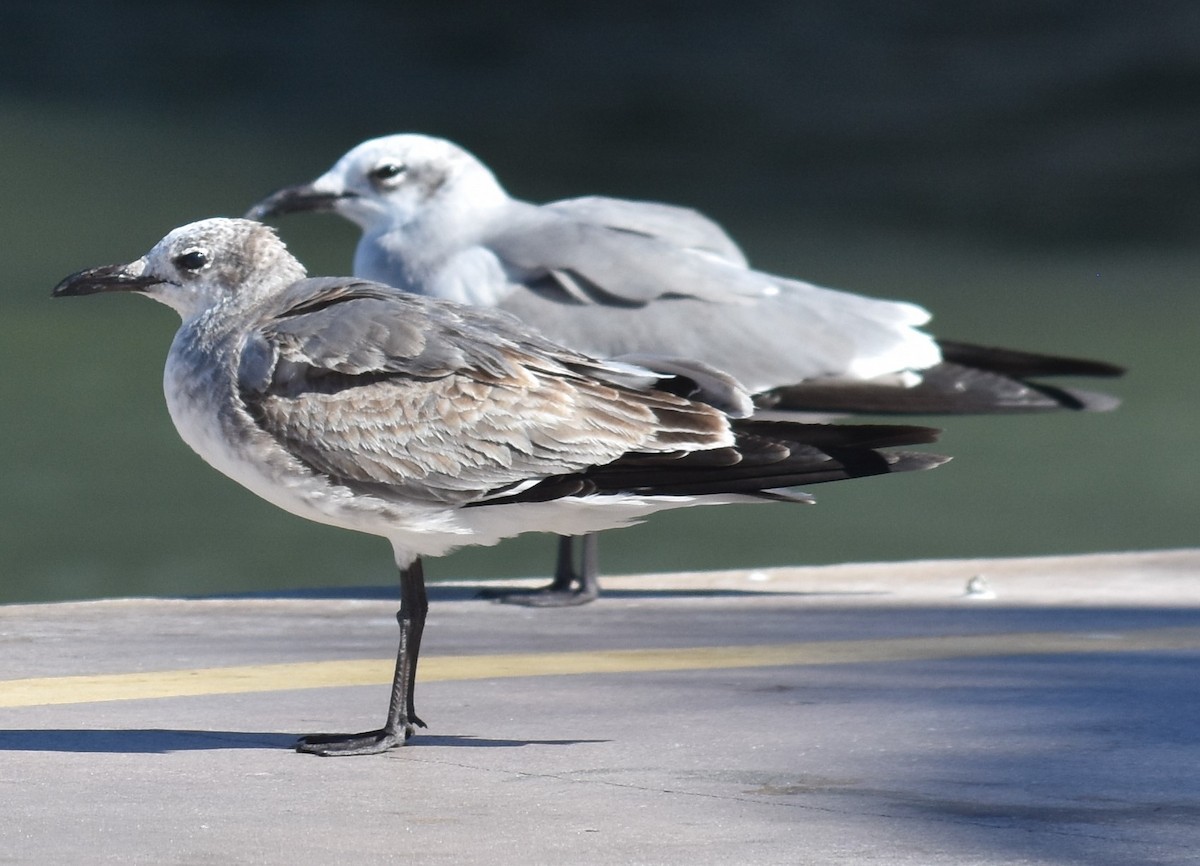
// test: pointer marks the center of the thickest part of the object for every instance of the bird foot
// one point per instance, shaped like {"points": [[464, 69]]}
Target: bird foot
{"points": [[366, 743], [546, 596]]}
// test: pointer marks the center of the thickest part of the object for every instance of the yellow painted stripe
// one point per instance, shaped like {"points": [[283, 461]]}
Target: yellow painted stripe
{"points": [[315, 675]]}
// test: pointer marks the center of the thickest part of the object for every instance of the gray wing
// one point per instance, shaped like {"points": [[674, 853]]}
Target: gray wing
{"points": [[600, 264], [611, 292], [422, 400], [678, 226]]}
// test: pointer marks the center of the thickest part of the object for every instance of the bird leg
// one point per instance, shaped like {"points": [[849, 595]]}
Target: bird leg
{"points": [[561, 592], [402, 716]]}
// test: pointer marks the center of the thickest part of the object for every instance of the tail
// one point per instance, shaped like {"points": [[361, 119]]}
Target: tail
{"points": [[971, 380]]}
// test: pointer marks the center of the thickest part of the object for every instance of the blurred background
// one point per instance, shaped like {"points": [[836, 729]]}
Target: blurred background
{"points": [[1030, 171]]}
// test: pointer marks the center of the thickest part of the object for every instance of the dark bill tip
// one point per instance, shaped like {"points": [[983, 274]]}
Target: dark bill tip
{"points": [[108, 278], [295, 199]]}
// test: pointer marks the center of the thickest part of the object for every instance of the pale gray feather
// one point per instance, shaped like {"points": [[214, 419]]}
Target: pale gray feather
{"points": [[679, 226]]}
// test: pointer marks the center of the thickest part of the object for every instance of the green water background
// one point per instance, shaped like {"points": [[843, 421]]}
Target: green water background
{"points": [[1052, 211]]}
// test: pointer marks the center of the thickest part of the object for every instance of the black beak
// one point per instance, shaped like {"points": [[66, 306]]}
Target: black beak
{"points": [[295, 199], [109, 278]]}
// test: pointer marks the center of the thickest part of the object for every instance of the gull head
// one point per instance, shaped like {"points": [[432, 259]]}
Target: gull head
{"points": [[204, 265], [392, 182]]}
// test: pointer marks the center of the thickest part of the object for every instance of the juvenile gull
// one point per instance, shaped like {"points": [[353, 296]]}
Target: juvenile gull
{"points": [[612, 277], [437, 425]]}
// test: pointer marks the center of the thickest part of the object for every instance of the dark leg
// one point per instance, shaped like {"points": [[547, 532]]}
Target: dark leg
{"points": [[561, 592], [564, 565], [402, 716]]}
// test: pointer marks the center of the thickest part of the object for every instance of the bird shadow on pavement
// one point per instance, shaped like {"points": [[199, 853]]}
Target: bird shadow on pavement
{"points": [[163, 741]]}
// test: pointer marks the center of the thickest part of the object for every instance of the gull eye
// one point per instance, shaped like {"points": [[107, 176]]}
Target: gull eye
{"points": [[192, 260], [387, 171]]}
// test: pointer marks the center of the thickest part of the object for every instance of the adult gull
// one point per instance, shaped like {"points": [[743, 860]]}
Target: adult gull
{"points": [[612, 277]]}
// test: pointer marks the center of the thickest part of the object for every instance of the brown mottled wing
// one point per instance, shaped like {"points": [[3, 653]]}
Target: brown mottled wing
{"points": [[419, 399]]}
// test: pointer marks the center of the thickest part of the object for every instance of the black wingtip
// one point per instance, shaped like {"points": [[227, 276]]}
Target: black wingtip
{"points": [[1023, 365]]}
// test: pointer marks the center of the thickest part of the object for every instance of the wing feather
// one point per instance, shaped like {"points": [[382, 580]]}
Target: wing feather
{"points": [[678, 226], [434, 402], [612, 292]]}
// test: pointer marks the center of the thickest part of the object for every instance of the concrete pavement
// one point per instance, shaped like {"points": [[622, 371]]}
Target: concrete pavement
{"points": [[847, 714]]}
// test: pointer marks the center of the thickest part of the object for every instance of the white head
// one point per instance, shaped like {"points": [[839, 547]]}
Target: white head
{"points": [[388, 183], [199, 266]]}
